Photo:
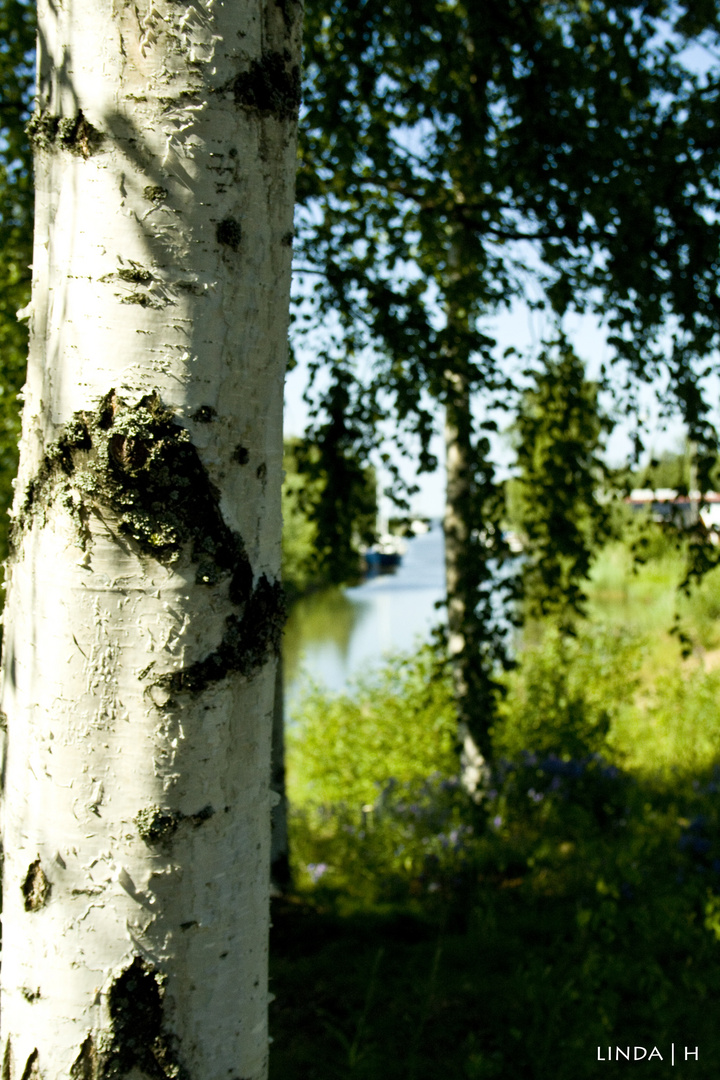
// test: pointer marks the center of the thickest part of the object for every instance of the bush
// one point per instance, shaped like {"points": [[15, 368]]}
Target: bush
{"points": [[566, 692], [680, 728], [416, 841], [398, 723]]}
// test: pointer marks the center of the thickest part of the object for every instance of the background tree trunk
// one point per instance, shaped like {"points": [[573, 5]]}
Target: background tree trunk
{"points": [[466, 635], [472, 541], [143, 610]]}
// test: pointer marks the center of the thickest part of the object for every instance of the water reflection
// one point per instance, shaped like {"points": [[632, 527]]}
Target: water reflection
{"points": [[334, 635], [320, 627]]}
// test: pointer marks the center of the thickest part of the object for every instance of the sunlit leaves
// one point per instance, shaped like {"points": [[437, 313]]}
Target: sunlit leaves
{"points": [[559, 431]]}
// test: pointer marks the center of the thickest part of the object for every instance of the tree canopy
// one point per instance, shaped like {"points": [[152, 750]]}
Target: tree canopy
{"points": [[559, 432], [451, 153], [457, 157]]}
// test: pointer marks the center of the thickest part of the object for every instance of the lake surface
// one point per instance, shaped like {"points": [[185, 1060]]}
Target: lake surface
{"points": [[337, 634]]}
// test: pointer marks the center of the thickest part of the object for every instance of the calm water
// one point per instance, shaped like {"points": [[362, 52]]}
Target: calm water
{"points": [[335, 635]]}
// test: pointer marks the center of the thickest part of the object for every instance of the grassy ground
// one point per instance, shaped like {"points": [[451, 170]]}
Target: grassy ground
{"points": [[675, 721], [578, 909], [522, 992]]}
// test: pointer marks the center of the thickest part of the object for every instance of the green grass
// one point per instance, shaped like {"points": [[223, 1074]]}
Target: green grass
{"points": [[546, 967], [578, 907], [675, 721]]}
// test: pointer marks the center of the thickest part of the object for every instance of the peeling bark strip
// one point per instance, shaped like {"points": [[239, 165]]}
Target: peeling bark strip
{"points": [[36, 887], [86, 1064]]}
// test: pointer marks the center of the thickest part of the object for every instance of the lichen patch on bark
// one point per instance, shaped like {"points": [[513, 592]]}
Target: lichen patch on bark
{"points": [[138, 275], [35, 888], [270, 87], [157, 825], [73, 133], [136, 1037], [141, 463], [155, 194], [248, 641]]}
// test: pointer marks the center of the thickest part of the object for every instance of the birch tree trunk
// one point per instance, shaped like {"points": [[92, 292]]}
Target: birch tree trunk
{"points": [[471, 531], [465, 638], [144, 611]]}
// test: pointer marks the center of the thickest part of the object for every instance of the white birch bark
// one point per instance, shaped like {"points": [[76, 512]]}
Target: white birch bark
{"points": [[143, 614]]}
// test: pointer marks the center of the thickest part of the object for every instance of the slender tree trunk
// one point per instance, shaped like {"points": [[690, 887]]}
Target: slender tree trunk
{"points": [[461, 582], [473, 543], [143, 612]]}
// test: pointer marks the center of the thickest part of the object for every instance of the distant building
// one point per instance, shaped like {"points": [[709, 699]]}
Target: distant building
{"points": [[665, 504]]}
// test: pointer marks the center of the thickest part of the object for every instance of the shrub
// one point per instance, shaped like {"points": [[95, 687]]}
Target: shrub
{"points": [[415, 841], [566, 692], [398, 723], [681, 725]]}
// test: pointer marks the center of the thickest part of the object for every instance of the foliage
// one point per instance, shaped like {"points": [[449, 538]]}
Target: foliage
{"points": [[584, 915], [636, 585], [414, 840], [578, 908], [17, 42], [670, 469], [372, 774], [307, 561], [679, 728], [340, 498], [561, 512], [454, 157], [299, 570], [399, 723], [530, 986], [445, 144], [566, 692]]}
